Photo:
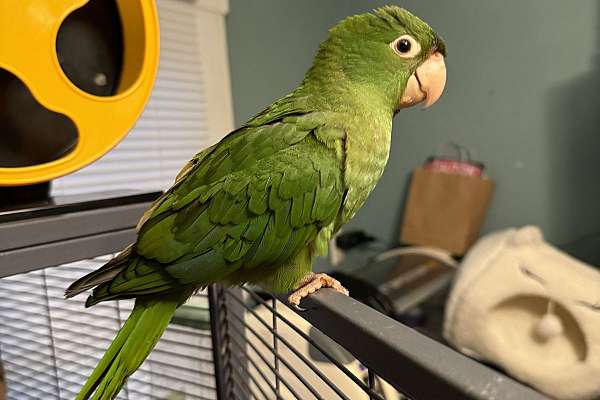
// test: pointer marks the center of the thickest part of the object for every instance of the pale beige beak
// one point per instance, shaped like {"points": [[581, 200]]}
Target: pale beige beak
{"points": [[427, 83], [432, 77]]}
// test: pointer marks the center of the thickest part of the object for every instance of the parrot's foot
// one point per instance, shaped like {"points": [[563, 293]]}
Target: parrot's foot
{"points": [[313, 282]]}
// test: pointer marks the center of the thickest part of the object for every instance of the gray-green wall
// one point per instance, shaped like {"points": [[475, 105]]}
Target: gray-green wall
{"points": [[523, 93]]}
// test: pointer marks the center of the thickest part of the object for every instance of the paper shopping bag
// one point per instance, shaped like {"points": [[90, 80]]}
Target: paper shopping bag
{"points": [[445, 210]]}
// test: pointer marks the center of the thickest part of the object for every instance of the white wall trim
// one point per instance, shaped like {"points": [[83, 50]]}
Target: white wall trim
{"points": [[220, 7], [212, 33]]}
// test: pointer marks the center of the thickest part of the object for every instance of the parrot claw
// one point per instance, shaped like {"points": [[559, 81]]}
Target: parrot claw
{"points": [[310, 284]]}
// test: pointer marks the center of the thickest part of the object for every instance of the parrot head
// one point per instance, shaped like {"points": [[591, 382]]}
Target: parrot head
{"points": [[389, 54]]}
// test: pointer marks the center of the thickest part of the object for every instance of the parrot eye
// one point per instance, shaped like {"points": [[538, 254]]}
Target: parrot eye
{"points": [[406, 46], [403, 46]]}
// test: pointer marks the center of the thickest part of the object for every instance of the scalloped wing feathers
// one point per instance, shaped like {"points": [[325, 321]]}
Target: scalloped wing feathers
{"points": [[238, 210]]}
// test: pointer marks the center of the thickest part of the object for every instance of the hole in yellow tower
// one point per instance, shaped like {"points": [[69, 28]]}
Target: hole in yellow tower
{"points": [[89, 46], [101, 47], [30, 134]]}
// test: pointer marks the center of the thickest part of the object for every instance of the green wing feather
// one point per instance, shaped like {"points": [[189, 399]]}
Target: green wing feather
{"points": [[240, 208]]}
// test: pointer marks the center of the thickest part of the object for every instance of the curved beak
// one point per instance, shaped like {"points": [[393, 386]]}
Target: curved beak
{"points": [[426, 83], [432, 78]]}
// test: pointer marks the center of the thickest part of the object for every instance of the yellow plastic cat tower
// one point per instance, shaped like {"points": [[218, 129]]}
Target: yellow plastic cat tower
{"points": [[29, 32]]}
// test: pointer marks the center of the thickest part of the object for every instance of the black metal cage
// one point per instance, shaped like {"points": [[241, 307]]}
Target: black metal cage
{"points": [[227, 343]]}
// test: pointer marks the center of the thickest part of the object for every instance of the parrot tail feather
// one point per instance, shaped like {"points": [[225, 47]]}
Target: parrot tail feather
{"points": [[104, 274], [129, 349]]}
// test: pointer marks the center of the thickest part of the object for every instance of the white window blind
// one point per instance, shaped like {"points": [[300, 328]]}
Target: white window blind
{"points": [[48, 344]]}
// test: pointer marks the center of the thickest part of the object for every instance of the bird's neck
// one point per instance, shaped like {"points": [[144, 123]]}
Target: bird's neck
{"points": [[339, 94], [367, 149]]}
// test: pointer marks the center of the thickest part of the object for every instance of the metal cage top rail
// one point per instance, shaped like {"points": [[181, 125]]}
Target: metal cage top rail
{"points": [[413, 363], [416, 366]]}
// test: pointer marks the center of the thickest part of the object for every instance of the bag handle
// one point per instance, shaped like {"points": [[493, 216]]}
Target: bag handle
{"points": [[461, 152]]}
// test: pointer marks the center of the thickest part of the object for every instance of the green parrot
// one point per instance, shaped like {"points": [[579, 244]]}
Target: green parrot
{"points": [[261, 204]]}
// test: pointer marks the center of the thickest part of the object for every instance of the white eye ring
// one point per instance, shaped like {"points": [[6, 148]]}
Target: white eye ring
{"points": [[406, 46]]}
